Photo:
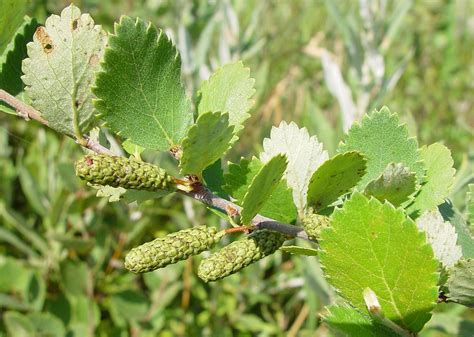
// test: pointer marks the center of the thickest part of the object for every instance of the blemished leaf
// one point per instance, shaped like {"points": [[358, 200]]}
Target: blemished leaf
{"points": [[262, 187], [439, 178], [395, 184], [383, 140], [298, 250], [11, 17], [18, 325], [346, 321], [373, 245], [60, 69], [206, 141], [465, 239], [442, 236], [305, 154], [139, 91], [459, 287], [10, 61], [335, 177], [230, 90], [279, 205]]}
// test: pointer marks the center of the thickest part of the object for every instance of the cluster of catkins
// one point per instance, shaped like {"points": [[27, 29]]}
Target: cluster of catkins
{"points": [[133, 174]]}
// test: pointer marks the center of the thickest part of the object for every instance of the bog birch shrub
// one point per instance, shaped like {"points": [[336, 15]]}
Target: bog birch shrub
{"points": [[370, 213]]}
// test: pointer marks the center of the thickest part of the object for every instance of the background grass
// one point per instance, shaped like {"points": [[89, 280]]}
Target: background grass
{"points": [[61, 248]]}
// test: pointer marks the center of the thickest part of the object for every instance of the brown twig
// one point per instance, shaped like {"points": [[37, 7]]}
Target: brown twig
{"points": [[202, 193], [28, 112]]}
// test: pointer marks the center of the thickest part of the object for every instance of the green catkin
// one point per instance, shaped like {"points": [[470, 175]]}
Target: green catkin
{"points": [[170, 249], [239, 254], [313, 224], [123, 172]]}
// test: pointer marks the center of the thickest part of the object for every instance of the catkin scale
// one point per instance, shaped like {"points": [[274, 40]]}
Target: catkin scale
{"points": [[123, 172], [170, 249], [239, 254]]}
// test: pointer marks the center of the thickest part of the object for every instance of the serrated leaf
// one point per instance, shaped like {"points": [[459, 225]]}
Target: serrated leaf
{"points": [[442, 236], [11, 17], [279, 205], [439, 178], [373, 245], [262, 186], [383, 140], [213, 176], [10, 61], [206, 141], [395, 184], [459, 287], [139, 90], [305, 154], [60, 69], [298, 250], [335, 177], [465, 239], [230, 90], [349, 322]]}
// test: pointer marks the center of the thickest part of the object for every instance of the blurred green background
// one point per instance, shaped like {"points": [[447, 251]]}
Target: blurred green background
{"points": [[322, 64]]}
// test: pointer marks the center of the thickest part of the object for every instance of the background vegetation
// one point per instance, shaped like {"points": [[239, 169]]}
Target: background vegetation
{"points": [[318, 63]]}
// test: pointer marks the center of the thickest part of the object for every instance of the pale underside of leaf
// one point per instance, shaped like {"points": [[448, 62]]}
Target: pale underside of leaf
{"points": [[439, 179], [206, 141], [115, 194], [261, 187], [59, 70], [229, 89], [334, 178], [396, 184], [383, 140], [373, 245], [305, 154], [140, 94], [442, 236]]}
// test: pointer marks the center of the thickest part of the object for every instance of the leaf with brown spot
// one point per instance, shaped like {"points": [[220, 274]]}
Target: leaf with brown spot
{"points": [[59, 70]]}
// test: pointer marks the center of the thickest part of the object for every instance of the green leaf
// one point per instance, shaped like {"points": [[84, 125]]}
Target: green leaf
{"points": [[465, 239], [129, 305], [18, 325], [10, 61], [334, 178], [115, 194], [383, 140], [206, 141], [439, 178], [373, 245], [459, 287], [60, 69], [395, 184], [262, 186], [76, 277], [442, 236], [349, 322], [279, 205], [133, 149], [139, 90], [305, 154], [47, 324], [230, 90], [298, 250], [213, 176], [11, 17]]}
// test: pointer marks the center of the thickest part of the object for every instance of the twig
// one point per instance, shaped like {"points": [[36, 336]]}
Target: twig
{"points": [[28, 112], [202, 194]]}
